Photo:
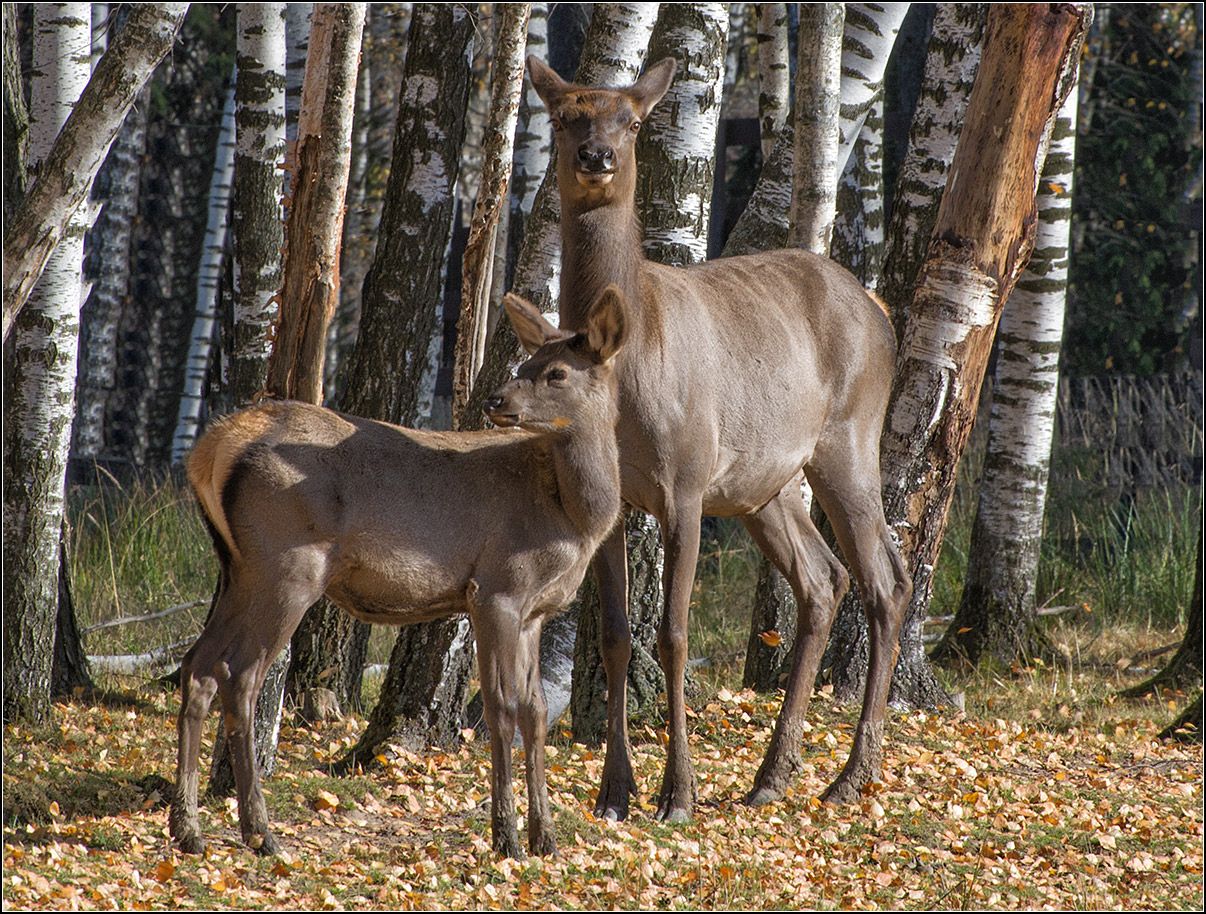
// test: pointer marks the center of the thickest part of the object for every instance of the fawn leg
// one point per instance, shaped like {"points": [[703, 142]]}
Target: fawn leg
{"points": [[533, 725]]}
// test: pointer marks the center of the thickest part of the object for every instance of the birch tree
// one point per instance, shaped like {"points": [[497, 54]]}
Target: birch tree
{"points": [[109, 250], [16, 118], [981, 241], [498, 144], [258, 232], [858, 230], [66, 171], [996, 615], [209, 275], [258, 237], [533, 138], [40, 385], [398, 324]]}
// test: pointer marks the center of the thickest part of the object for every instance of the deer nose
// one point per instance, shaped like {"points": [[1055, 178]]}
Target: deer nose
{"points": [[595, 158]]}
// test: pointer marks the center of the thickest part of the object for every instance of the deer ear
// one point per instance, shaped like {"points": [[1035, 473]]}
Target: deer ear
{"points": [[649, 89], [530, 325], [548, 85], [607, 324]]}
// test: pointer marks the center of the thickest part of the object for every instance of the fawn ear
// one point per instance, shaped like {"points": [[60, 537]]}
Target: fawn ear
{"points": [[530, 325], [548, 85], [607, 324], [649, 89]]}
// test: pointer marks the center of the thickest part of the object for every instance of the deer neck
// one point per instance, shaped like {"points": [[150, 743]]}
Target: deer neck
{"points": [[600, 246], [586, 462]]}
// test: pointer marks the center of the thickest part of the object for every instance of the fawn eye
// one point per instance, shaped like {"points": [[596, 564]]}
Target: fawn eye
{"points": [[557, 376], [635, 126]]}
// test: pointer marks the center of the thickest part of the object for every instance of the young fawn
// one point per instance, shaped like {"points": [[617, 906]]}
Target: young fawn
{"points": [[399, 526]]}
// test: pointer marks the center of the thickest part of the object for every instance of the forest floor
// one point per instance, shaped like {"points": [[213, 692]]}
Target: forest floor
{"points": [[1047, 792]]}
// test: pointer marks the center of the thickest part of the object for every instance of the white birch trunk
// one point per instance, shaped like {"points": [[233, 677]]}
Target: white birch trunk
{"points": [[109, 246], [952, 60], [297, 46], [676, 149], [256, 218], [40, 373], [870, 33], [858, 233], [774, 73], [209, 277], [100, 32], [817, 135]]}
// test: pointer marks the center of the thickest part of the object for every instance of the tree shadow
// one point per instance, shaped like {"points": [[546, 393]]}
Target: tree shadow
{"points": [[76, 794]]}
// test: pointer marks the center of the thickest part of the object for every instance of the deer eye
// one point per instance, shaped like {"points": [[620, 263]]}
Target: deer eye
{"points": [[635, 126], [557, 376]]}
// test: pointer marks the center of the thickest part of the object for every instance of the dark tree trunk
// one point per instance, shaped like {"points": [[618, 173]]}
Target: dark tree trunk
{"points": [[70, 671], [423, 697], [1188, 727]]}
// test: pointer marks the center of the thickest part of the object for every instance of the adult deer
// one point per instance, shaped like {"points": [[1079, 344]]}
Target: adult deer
{"points": [[739, 374], [399, 526]]}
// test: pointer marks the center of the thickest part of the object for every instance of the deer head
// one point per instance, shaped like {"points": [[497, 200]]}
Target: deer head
{"points": [[596, 129], [569, 380]]}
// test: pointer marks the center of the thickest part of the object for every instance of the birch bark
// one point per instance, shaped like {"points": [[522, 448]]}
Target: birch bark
{"points": [[774, 73], [209, 275], [258, 188], [498, 144], [39, 380], [319, 164]]}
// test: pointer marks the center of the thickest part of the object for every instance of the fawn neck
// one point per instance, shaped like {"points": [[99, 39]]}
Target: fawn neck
{"points": [[600, 246], [586, 461]]}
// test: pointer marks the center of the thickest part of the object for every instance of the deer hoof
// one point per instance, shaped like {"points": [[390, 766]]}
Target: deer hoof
{"points": [[265, 845], [614, 792], [843, 790], [543, 846], [506, 844]]}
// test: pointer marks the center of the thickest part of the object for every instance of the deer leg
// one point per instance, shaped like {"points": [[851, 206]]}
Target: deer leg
{"points": [[533, 725], [681, 531], [496, 626], [615, 642], [849, 491], [786, 535], [197, 690]]}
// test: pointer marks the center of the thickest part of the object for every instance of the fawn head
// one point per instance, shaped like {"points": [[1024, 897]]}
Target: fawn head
{"points": [[569, 378], [596, 129]]}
